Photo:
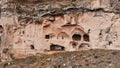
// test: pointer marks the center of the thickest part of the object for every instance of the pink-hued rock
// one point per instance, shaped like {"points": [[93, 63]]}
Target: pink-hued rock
{"points": [[96, 26]]}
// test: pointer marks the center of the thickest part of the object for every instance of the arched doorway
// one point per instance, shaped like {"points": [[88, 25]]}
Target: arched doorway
{"points": [[56, 47], [76, 37], [86, 37], [62, 35]]}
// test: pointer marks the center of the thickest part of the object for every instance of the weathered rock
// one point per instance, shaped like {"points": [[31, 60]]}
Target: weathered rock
{"points": [[51, 26]]}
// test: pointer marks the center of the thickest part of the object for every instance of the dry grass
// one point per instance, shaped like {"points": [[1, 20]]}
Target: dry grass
{"points": [[83, 59]]}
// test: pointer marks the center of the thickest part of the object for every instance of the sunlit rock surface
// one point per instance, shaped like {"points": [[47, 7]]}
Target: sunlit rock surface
{"points": [[47, 26]]}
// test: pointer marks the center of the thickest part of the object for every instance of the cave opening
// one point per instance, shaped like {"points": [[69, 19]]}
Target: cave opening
{"points": [[47, 36], [23, 32], [56, 47], [84, 45], [74, 45], [1, 26], [86, 38], [1, 29], [32, 47], [76, 37]]}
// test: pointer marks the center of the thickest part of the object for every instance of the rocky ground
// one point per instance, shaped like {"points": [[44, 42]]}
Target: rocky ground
{"points": [[17, 13], [82, 59]]}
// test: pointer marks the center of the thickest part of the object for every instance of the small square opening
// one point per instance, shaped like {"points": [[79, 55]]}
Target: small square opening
{"points": [[47, 36]]}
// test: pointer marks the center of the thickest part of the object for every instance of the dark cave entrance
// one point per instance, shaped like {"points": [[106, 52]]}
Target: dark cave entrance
{"points": [[86, 38], [47, 36], [32, 47], [76, 37], [1, 29], [56, 47]]}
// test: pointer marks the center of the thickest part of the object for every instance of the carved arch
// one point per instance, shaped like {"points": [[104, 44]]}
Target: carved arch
{"points": [[78, 31], [62, 35]]}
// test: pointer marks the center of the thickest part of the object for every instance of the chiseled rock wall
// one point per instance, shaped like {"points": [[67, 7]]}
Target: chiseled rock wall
{"points": [[32, 27]]}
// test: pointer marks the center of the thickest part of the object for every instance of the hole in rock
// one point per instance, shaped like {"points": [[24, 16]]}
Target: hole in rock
{"points": [[32, 47], [47, 36], [76, 37], [86, 38], [56, 47], [1, 29]]}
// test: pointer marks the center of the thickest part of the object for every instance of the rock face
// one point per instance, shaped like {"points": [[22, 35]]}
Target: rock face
{"points": [[46, 26]]}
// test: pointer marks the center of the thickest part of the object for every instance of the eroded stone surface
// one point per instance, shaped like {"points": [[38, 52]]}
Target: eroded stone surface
{"points": [[60, 26]]}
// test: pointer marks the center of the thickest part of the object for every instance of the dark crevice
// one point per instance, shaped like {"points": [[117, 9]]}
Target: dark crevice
{"points": [[32, 47], [86, 38], [1, 29], [76, 37], [56, 47], [47, 36]]}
